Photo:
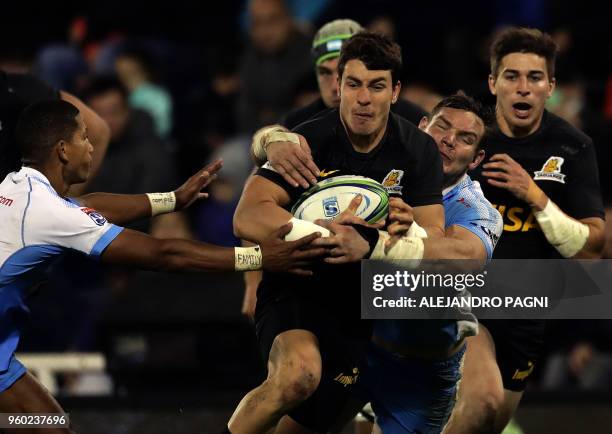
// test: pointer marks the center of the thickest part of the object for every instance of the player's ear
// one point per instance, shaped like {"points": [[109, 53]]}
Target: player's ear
{"points": [[492, 80], [60, 148], [551, 86], [480, 154], [396, 92], [423, 123]]}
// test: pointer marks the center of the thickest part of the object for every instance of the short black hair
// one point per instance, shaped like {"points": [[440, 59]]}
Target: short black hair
{"points": [[523, 40], [103, 84], [43, 124], [376, 51], [462, 101]]}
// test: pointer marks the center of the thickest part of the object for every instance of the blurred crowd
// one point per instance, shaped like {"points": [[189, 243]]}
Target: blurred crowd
{"points": [[177, 97]]}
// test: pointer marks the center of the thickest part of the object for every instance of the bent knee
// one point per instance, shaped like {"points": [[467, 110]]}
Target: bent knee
{"points": [[295, 369]]}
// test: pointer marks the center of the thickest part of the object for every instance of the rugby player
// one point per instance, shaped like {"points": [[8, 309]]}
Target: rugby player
{"points": [[301, 170], [39, 223], [542, 176], [403, 366], [309, 330]]}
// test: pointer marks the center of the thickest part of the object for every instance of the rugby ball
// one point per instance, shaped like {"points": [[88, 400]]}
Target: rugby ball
{"points": [[328, 198]]}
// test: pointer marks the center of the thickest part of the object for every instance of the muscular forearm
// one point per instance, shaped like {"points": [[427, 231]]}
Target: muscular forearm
{"points": [[256, 221], [187, 255], [118, 208]]}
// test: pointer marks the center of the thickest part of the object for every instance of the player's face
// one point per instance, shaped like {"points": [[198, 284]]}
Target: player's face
{"points": [[365, 98], [457, 134], [522, 86], [327, 77], [78, 152]]}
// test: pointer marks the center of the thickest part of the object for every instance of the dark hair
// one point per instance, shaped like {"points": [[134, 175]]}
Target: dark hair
{"points": [[461, 101], [101, 85], [523, 40], [42, 125], [376, 51]]}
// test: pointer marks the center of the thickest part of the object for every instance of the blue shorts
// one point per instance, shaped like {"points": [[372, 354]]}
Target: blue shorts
{"points": [[14, 372], [408, 395]]}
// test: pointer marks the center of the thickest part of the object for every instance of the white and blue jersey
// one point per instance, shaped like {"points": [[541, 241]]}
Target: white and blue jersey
{"points": [[37, 225], [466, 206], [411, 395]]}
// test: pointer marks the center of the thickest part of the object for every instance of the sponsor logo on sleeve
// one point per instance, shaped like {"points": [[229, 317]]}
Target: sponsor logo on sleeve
{"points": [[95, 216], [551, 171]]}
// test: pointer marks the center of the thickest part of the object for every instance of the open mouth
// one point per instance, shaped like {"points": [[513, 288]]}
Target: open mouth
{"points": [[522, 110]]}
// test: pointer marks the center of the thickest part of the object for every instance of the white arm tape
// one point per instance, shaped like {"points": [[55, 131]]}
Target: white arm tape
{"points": [[264, 136], [247, 258], [162, 203], [416, 231], [405, 248], [301, 228], [564, 233]]}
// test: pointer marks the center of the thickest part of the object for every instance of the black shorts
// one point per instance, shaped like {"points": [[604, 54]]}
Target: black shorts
{"points": [[518, 347], [342, 344]]}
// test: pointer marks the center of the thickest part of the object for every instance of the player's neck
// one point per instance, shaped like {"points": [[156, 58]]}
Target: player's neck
{"points": [[54, 175], [451, 181], [365, 143], [516, 131]]}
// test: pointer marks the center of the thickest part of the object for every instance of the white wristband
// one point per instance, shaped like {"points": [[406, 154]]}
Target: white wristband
{"points": [[406, 248], [416, 231], [564, 233], [162, 202], [266, 135], [301, 228], [247, 258]]}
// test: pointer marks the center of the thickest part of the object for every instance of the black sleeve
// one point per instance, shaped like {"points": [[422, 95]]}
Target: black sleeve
{"points": [[584, 193], [425, 187], [30, 89]]}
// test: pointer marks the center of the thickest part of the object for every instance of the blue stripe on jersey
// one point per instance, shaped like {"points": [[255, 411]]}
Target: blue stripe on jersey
{"points": [[24, 214], [25, 260], [105, 240]]}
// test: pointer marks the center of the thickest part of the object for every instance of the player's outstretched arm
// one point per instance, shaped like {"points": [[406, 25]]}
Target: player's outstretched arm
{"points": [[143, 251], [124, 208]]}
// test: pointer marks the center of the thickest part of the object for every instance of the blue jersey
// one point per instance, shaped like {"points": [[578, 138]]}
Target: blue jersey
{"points": [[464, 206], [38, 225]]}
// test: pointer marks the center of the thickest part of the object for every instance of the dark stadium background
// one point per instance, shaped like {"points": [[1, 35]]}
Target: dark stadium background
{"points": [[178, 350]]}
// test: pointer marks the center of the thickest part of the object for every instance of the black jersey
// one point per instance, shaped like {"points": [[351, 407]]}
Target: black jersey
{"points": [[561, 160], [406, 162], [17, 91], [405, 109]]}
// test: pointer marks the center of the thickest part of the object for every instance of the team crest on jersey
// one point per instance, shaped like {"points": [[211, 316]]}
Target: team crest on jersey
{"points": [[331, 207], [551, 170], [95, 216], [392, 181]]}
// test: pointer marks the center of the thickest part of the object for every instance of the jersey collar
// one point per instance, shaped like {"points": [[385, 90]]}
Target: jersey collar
{"points": [[30, 172], [462, 181]]}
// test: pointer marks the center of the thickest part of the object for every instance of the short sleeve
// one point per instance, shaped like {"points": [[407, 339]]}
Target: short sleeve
{"points": [[64, 224], [484, 222]]}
